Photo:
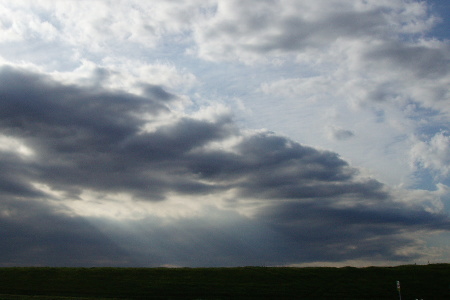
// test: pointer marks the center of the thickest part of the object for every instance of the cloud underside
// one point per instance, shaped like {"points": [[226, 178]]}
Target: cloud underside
{"points": [[258, 197]]}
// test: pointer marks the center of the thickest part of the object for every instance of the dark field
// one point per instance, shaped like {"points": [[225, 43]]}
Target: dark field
{"points": [[422, 282]]}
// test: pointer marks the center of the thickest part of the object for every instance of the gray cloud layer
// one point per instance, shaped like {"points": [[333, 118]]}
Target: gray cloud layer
{"points": [[308, 205]]}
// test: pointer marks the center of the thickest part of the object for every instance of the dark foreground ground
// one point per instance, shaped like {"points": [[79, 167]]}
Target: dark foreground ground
{"points": [[417, 282]]}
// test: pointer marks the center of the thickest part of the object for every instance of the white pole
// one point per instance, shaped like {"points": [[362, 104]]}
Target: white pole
{"points": [[398, 289]]}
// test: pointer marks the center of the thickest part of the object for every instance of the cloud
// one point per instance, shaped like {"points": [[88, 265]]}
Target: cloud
{"points": [[93, 132], [100, 134], [57, 35], [98, 23], [387, 81], [34, 233], [87, 157], [340, 134], [254, 29], [351, 232], [434, 154], [111, 133], [413, 73]]}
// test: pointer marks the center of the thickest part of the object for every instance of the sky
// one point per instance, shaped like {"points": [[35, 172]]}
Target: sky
{"points": [[222, 133]]}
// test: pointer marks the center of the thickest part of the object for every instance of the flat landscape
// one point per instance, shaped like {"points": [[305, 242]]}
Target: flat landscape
{"points": [[417, 282]]}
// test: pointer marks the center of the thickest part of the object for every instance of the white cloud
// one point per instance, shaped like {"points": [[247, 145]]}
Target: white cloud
{"points": [[71, 30], [97, 23], [15, 146], [433, 154], [19, 25], [129, 75], [305, 90]]}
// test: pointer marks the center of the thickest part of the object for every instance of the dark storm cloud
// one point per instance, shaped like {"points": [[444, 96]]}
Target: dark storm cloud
{"points": [[283, 233], [273, 167], [352, 232], [93, 139], [315, 205], [34, 234]]}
